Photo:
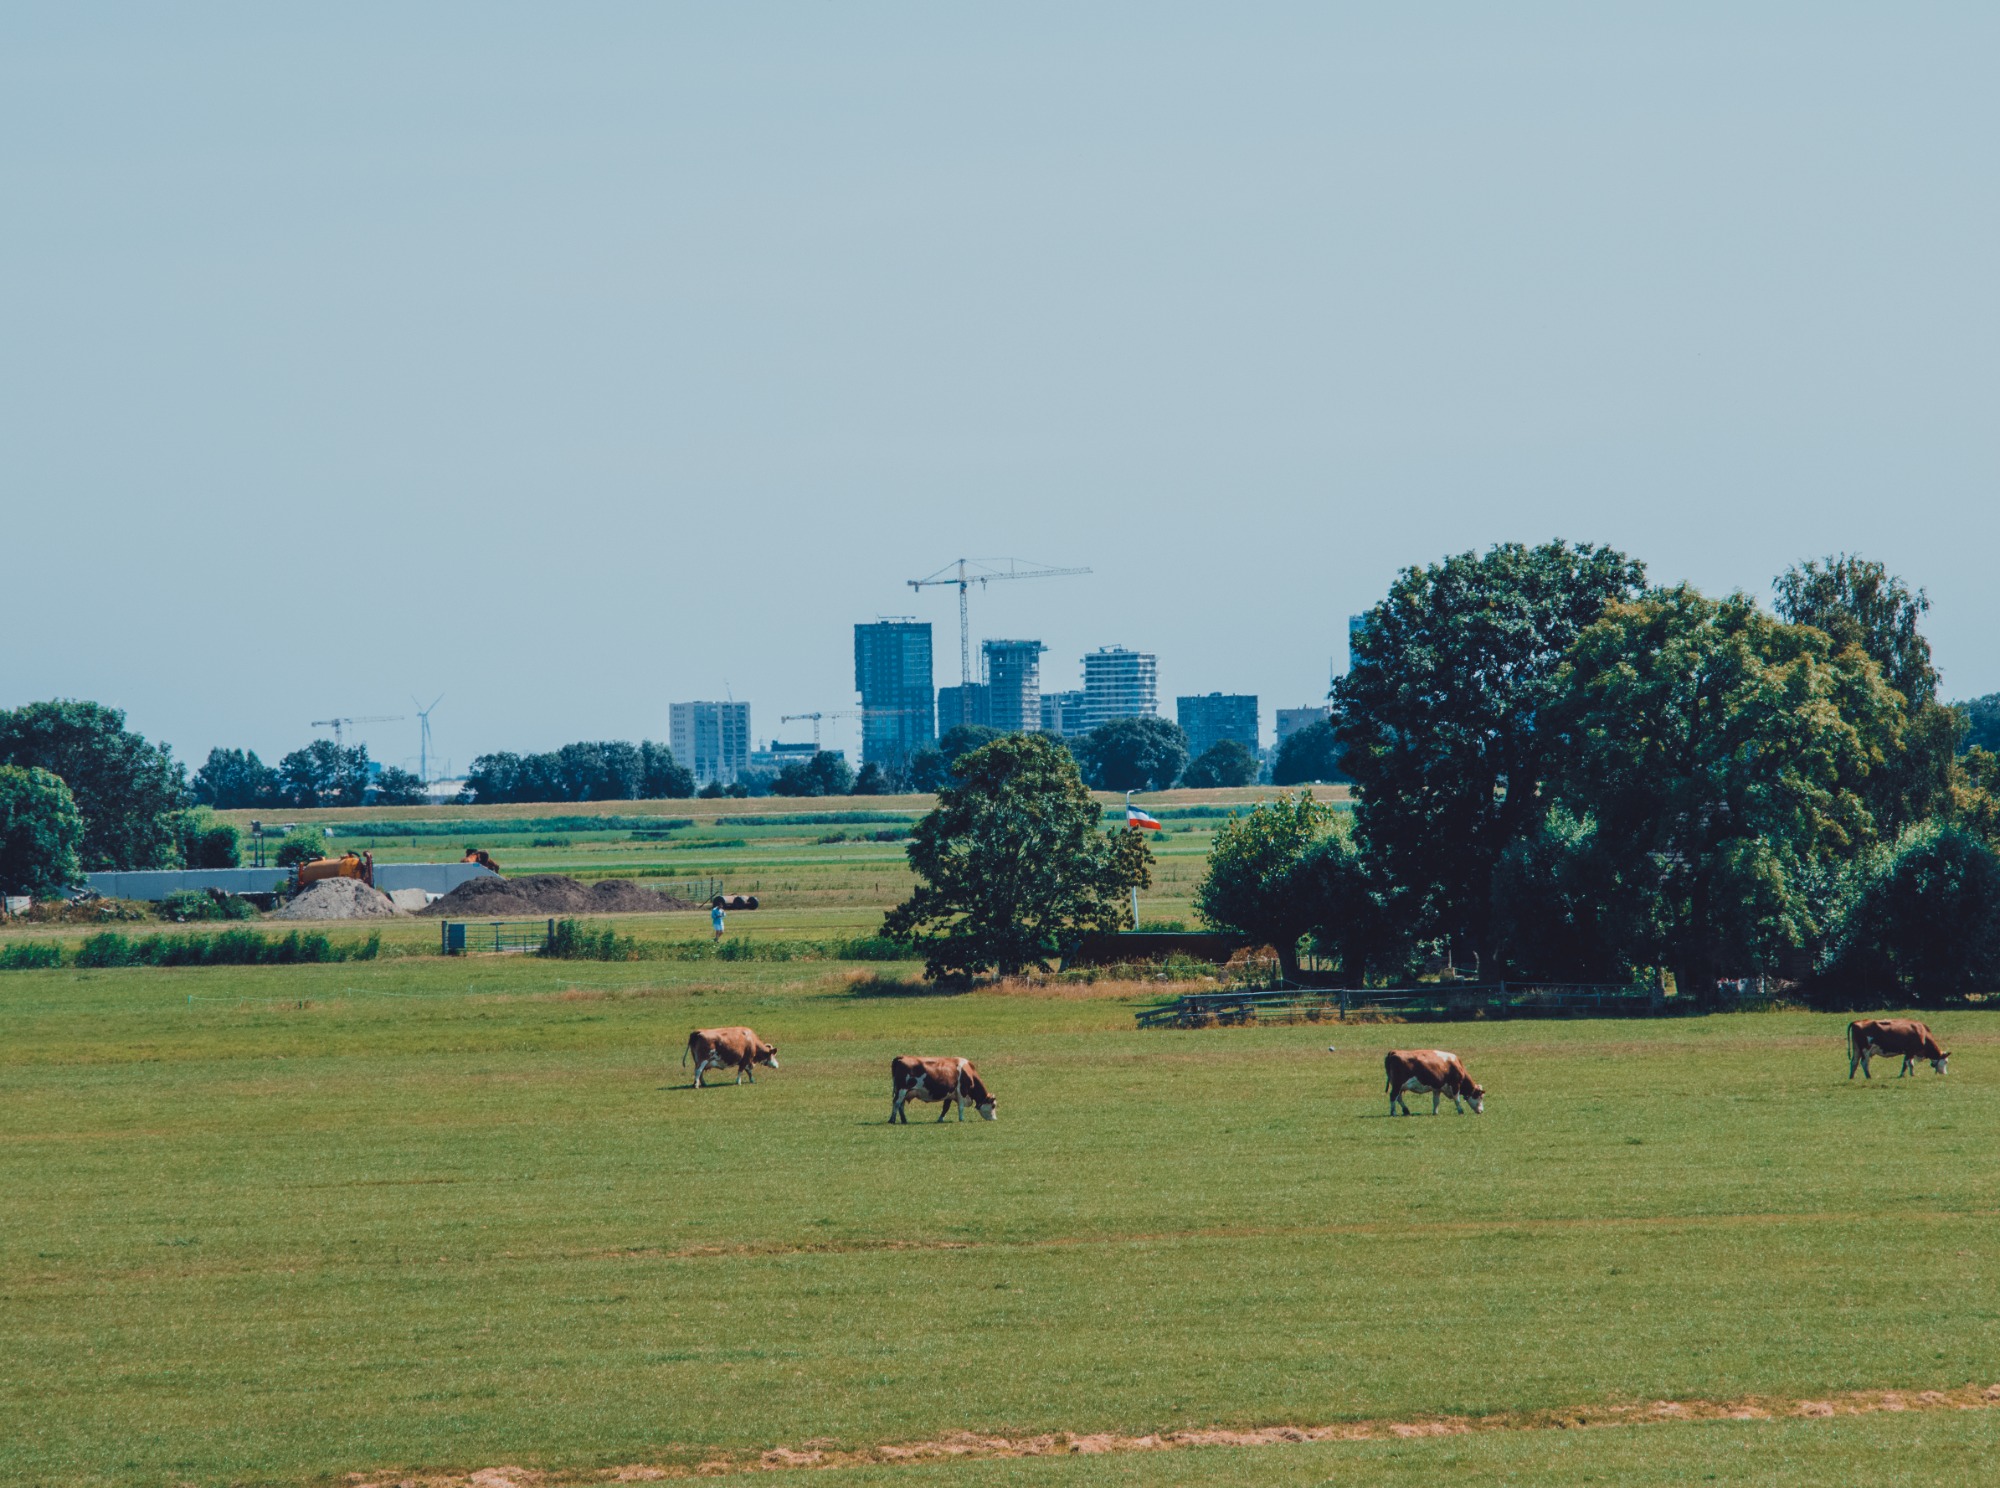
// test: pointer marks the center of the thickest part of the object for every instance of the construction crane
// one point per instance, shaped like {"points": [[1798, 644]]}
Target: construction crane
{"points": [[841, 713], [337, 724], [965, 572]]}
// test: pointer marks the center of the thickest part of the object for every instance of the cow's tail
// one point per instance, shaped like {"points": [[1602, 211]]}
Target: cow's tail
{"points": [[687, 1049], [1853, 1047]]}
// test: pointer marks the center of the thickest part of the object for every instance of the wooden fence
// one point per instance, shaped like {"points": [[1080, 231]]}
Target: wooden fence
{"points": [[1445, 1001]]}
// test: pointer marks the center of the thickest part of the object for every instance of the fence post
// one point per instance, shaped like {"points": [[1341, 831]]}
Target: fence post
{"points": [[550, 938]]}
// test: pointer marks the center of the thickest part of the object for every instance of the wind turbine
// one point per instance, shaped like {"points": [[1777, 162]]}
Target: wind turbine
{"points": [[424, 737]]}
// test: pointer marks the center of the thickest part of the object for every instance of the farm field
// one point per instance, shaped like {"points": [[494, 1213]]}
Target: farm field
{"points": [[421, 1217]]}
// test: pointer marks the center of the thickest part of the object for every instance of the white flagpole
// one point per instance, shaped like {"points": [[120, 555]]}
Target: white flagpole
{"points": [[1135, 888]]}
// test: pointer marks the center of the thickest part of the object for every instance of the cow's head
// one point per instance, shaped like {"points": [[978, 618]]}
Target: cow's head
{"points": [[1475, 1096], [1938, 1063], [989, 1109], [768, 1054]]}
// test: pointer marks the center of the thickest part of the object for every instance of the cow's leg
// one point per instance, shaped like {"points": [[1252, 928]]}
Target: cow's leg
{"points": [[1866, 1072], [945, 1109], [1908, 1065], [699, 1066], [896, 1108], [1437, 1096]]}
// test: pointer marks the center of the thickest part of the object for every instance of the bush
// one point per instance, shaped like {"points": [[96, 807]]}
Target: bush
{"points": [[31, 955], [207, 843], [572, 940], [199, 904], [301, 846], [229, 948]]}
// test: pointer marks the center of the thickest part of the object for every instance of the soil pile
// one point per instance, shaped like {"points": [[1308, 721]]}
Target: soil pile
{"points": [[498, 898], [338, 899]]}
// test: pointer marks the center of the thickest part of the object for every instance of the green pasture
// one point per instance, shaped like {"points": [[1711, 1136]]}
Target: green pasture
{"points": [[798, 853], [276, 1225]]}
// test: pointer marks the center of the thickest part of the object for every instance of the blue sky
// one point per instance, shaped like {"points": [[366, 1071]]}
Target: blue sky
{"points": [[575, 360]]}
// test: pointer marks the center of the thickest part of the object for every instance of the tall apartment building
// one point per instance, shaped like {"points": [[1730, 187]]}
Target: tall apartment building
{"points": [[970, 704], [1062, 714], [892, 672], [1119, 684], [1291, 720], [1208, 720], [1013, 684], [711, 739]]}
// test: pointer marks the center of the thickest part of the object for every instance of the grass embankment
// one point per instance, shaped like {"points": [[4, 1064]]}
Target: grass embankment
{"points": [[280, 1224]]}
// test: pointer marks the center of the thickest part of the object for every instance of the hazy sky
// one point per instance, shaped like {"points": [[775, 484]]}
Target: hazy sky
{"points": [[571, 360]]}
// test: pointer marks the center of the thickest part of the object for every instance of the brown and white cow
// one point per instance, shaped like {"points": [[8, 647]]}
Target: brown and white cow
{"points": [[1867, 1037], [723, 1048], [1434, 1070], [952, 1081]]}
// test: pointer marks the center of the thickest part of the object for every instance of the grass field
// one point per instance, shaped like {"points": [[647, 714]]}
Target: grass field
{"points": [[425, 1216]]}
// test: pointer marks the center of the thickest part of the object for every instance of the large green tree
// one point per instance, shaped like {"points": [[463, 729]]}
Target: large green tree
{"points": [[1129, 754], [127, 790], [1012, 862], [41, 831], [1307, 756], [1255, 884], [1229, 763], [235, 779], [1440, 717], [324, 774], [1858, 603], [1722, 760], [1925, 922]]}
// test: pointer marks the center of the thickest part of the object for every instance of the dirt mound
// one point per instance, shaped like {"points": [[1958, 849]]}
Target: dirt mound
{"points": [[409, 900], [550, 894], [338, 899]]}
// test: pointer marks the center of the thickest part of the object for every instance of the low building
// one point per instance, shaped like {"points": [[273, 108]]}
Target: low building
{"points": [[1209, 719], [1062, 714], [1291, 720], [956, 706]]}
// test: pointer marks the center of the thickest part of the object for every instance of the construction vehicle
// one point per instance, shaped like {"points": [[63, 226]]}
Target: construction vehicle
{"points": [[348, 865], [481, 857]]}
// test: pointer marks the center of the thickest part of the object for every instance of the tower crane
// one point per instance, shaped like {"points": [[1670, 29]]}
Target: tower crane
{"points": [[838, 713], [965, 572], [337, 724]]}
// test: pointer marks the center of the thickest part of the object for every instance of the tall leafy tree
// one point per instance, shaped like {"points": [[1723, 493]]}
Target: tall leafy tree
{"points": [[1311, 754], [1229, 763], [1720, 757], [324, 774], [825, 774], [1254, 883], [1129, 754], [661, 776], [1982, 723], [395, 786], [41, 833], [1011, 863], [1440, 718], [1858, 603], [127, 790], [235, 779], [1926, 921]]}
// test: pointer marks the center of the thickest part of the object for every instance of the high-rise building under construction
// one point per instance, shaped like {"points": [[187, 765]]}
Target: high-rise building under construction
{"points": [[1119, 684], [1013, 684], [892, 672]]}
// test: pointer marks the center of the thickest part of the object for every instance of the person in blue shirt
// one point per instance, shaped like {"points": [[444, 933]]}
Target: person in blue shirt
{"points": [[715, 919]]}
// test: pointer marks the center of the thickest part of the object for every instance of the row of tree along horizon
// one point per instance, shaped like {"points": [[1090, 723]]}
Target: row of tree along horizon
{"points": [[1559, 773], [1529, 703]]}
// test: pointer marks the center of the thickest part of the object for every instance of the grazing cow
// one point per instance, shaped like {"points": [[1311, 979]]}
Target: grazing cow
{"points": [[1433, 1070], [720, 1048], [953, 1081], [1867, 1037]]}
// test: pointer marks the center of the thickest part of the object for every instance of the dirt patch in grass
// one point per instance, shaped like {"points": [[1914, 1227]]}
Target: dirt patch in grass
{"points": [[967, 1445]]}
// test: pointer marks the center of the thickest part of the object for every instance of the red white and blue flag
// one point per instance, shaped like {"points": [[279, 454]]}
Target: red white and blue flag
{"points": [[1134, 817]]}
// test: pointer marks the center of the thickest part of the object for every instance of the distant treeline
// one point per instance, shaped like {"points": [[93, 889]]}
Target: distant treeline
{"points": [[607, 771]]}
